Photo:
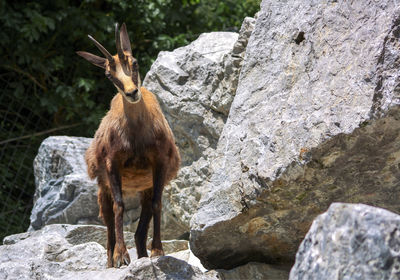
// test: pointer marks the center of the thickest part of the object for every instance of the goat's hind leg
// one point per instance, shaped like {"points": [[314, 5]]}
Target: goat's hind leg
{"points": [[158, 186], [107, 214], [143, 226]]}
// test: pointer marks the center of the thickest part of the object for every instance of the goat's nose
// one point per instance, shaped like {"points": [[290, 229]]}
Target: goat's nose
{"points": [[132, 93]]}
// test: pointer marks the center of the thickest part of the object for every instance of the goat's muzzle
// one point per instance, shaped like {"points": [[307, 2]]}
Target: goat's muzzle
{"points": [[133, 96]]}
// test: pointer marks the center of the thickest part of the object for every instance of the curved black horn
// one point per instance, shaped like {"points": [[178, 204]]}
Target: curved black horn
{"points": [[121, 55], [102, 49], [118, 43]]}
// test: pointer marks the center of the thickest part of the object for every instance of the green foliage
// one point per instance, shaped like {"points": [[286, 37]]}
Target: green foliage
{"points": [[39, 39], [44, 84]]}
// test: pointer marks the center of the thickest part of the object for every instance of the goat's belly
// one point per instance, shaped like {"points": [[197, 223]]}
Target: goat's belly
{"points": [[136, 180]]}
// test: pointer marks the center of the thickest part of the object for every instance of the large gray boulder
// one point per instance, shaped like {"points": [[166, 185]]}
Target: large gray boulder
{"points": [[350, 241], [196, 85], [315, 120], [64, 193], [48, 254], [183, 81]]}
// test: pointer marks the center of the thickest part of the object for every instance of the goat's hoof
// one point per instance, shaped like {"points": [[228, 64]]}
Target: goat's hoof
{"points": [[157, 252], [143, 255], [121, 257], [109, 263], [109, 258]]}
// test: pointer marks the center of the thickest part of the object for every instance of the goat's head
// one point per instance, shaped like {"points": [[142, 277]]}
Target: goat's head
{"points": [[122, 69]]}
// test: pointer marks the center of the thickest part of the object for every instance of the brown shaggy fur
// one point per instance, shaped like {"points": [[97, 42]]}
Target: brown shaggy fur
{"points": [[136, 140], [133, 151]]}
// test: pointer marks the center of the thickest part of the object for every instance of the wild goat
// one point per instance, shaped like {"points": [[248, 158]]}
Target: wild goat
{"points": [[133, 150]]}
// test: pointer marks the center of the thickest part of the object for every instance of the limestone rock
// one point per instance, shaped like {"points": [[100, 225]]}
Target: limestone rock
{"points": [[64, 193], [183, 81], [74, 234], [161, 268], [189, 257], [315, 120], [226, 81], [182, 196], [255, 271], [171, 246], [73, 252], [46, 254], [350, 241]]}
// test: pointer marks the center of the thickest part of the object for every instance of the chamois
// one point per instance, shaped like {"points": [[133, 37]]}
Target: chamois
{"points": [[133, 150]]}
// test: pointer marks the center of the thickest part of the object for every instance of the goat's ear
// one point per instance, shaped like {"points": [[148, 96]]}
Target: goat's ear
{"points": [[125, 43], [94, 59]]}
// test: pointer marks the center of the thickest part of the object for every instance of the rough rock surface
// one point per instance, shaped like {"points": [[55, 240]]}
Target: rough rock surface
{"points": [[213, 64], [73, 234], [181, 198], [315, 120], [64, 193], [163, 268], [255, 271], [171, 246], [227, 77], [182, 79], [77, 252], [350, 241], [47, 253]]}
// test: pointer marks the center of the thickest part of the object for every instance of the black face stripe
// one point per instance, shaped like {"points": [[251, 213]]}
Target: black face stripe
{"points": [[135, 72], [135, 78], [135, 66], [130, 69], [118, 83]]}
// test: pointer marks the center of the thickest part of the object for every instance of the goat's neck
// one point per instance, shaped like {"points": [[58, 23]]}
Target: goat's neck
{"points": [[134, 112]]}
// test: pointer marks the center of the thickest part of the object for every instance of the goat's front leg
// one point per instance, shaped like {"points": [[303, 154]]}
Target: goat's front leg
{"points": [[158, 186], [107, 213], [120, 256]]}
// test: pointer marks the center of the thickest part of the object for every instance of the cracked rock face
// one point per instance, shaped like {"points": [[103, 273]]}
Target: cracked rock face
{"points": [[315, 120], [350, 241]]}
